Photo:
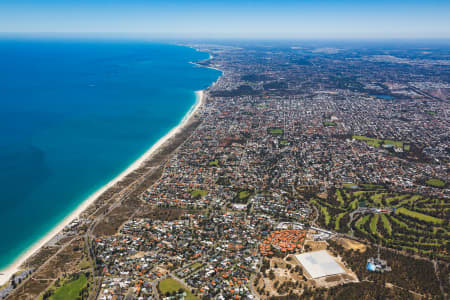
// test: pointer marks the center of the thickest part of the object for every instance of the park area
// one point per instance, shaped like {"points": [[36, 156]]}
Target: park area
{"points": [[409, 222], [276, 131], [434, 182], [376, 143], [74, 287], [170, 286]]}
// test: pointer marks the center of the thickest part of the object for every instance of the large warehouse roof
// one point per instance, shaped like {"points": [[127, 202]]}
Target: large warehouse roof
{"points": [[319, 264]]}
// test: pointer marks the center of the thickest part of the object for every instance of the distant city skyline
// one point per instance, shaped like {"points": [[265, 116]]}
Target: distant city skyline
{"points": [[232, 19]]}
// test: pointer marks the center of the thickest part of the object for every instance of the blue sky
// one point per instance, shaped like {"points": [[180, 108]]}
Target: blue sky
{"points": [[241, 19]]}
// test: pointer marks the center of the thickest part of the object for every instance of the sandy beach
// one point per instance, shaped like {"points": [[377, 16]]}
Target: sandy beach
{"points": [[5, 274]]}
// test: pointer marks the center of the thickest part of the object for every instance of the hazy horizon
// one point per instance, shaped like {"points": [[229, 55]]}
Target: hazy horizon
{"points": [[267, 19]]}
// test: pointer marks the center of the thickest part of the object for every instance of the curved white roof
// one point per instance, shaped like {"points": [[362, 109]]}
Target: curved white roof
{"points": [[319, 264]]}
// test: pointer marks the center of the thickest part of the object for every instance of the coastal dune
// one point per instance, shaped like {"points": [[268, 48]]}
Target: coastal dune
{"points": [[6, 273]]}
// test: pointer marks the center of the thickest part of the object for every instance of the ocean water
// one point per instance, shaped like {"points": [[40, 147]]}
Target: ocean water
{"points": [[73, 115]]}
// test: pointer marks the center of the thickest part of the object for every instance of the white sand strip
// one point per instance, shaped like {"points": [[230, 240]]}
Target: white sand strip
{"points": [[6, 273]]}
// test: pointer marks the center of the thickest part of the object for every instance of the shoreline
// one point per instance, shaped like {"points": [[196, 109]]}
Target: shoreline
{"points": [[207, 67], [14, 267]]}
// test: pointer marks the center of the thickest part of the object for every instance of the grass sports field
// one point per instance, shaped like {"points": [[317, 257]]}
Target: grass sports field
{"points": [[70, 289], [171, 285]]}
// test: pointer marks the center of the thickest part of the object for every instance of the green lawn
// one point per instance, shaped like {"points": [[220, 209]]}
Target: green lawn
{"points": [[376, 198], [359, 193], [84, 264], [397, 144], [276, 131], [419, 216], [373, 224], [324, 211], [197, 193], [329, 124], [435, 182], [386, 224], [371, 186], [414, 224], [354, 204], [350, 186], [244, 195], [338, 219], [171, 285], [396, 198], [214, 163], [360, 223], [70, 289], [370, 141], [399, 223], [377, 142], [339, 197], [410, 200]]}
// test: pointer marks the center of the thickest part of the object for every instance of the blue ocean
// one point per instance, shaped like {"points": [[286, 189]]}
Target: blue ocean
{"points": [[73, 115]]}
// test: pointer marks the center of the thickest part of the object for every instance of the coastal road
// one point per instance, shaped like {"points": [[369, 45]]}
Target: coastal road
{"points": [[126, 192], [42, 266], [89, 236]]}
